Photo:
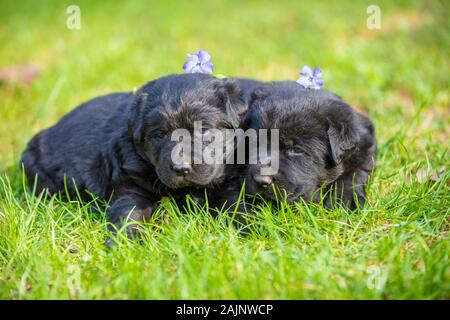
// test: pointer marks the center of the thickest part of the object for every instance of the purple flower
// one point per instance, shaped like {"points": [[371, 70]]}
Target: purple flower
{"points": [[198, 63], [309, 79]]}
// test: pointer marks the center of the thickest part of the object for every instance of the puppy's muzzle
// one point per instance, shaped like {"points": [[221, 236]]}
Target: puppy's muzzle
{"points": [[182, 169], [262, 181]]}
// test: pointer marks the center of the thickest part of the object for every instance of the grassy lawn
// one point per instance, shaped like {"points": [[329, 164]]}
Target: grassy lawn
{"points": [[397, 247]]}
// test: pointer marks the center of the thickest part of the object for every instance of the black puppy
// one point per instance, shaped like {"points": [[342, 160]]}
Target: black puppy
{"points": [[326, 149], [120, 144]]}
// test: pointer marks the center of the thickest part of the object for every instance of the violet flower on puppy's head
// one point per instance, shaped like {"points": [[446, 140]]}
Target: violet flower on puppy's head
{"points": [[310, 79], [198, 63]]}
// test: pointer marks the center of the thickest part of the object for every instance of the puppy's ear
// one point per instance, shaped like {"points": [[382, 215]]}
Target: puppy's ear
{"points": [[342, 131], [136, 118], [258, 93], [232, 100]]}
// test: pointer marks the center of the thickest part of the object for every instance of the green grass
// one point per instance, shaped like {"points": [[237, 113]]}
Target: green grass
{"points": [[397, 247]]}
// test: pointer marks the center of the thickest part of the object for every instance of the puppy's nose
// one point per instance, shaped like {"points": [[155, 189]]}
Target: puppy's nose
{"points": [[262, 181], [182, 169]]}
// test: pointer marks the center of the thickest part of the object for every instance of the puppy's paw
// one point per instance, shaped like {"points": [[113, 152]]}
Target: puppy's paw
{"points": [[349, 200], [110, 243], [357, 201], [243, 223]]}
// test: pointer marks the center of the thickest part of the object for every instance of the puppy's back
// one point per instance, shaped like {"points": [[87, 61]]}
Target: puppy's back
{"points": [[68, 149]]}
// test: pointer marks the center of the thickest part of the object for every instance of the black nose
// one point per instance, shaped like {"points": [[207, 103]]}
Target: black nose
{"points": [[182, 169], [262, 181]]}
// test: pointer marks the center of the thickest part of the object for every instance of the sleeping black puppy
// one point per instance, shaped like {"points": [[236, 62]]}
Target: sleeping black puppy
{"points": [[326, 149], [120, 144]]}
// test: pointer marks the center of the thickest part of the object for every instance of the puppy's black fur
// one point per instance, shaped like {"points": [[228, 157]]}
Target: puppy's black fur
{"points": [[324, 145], [120, 144]]}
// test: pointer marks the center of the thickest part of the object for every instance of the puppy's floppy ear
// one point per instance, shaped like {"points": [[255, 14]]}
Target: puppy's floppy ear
{"points": [[136, 118], [231, 98], [342, 131], [258, 93]]}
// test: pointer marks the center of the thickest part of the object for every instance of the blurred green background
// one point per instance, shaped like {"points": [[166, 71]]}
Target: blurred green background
{"points": [[398, 75]]}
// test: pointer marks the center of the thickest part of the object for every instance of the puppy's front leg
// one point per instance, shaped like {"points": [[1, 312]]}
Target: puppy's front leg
{"points": [[348, 190], [241, 213], [127, 208]]}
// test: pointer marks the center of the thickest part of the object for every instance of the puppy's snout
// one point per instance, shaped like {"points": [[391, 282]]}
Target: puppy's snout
{"points": [[262, 181], [182, 169]]}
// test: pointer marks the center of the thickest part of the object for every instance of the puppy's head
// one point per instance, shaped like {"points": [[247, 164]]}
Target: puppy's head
{"points": [[180, 104], [319, 135]]}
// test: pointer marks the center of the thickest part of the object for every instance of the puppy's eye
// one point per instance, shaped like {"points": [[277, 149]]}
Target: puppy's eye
{"points": [[296, 150]]}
